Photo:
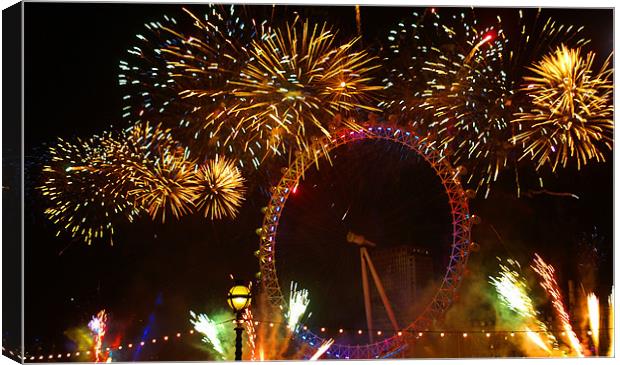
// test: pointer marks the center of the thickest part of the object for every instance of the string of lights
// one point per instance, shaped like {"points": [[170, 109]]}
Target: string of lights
{"points": [[441, 334]]}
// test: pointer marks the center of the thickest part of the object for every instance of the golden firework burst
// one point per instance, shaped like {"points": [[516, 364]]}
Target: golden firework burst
{"points": [[178, 71], [221, 190], [170, 185], [83, 202], [299, 81], [571, 114]]}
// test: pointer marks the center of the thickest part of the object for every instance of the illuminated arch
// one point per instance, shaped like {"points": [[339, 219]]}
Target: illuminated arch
{"points": [[461, 232]]}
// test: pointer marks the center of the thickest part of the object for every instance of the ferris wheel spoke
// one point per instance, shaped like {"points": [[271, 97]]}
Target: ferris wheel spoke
{"points": [[379, 286], [367, 303]]}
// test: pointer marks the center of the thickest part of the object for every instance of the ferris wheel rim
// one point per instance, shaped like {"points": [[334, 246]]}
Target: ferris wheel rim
{"points": [[458, 201]]}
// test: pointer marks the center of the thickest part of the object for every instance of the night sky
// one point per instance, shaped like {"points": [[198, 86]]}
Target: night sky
{"points": [[71, 89]]}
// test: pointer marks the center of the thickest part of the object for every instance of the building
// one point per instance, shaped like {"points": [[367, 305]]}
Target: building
{"points": [[406, 272]]}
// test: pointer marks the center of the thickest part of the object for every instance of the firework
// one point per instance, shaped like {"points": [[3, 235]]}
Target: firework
{"points": [[84, 202], [455, 81], [594, 318], [138, 146], [535, 337], [512, 290], [571, 113], [179, 71], [248, 323], [549, 283], [98, 326], [297, 306], [300, 81], [132, 154], [221, 189], [513, 294], [169, 186], [90, 184], [203, 324], [447, 80], [321, 350]]}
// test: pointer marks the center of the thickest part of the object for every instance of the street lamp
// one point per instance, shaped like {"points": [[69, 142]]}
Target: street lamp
{"points": [[239, 298]]}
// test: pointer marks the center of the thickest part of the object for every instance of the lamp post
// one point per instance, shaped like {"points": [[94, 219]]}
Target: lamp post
{"points": [[239, 298]]}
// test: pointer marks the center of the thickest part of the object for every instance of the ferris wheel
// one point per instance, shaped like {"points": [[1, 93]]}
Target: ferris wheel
{"points": [[461, 245]]}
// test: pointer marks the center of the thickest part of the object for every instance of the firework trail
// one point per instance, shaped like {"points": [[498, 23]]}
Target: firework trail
{"points": [[92, 185], [594, 318], [83, 201], [456, 81], [235, 87], [549, 283], [513, 294], [447, 80], [179, 71], [170, 185], [152, 168], [154, 165], [324, 347], [299, 82], [274, 338], [203, 324], [98, 326], [221, 191], [571, 111], [248, 323], [297, 306], [512, 290], [535, 337]]}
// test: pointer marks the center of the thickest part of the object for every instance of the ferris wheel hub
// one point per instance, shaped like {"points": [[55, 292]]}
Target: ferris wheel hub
{"points": [[359, 240]]}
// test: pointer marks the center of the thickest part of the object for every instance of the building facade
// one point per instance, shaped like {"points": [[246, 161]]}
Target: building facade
{"points": [[406, 272]]}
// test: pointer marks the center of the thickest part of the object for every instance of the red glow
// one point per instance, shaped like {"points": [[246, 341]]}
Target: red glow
{"points": [[488, 37], [294, 191], [117, 341]]}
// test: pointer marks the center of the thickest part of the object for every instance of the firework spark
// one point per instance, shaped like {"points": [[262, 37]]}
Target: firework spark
{"points": [[169, 186], [299, 81], [535, 337], [513, 294], [89, 183], [455, 81], [95, 184], [512, 290], [203, 324], [571, 114], [594, 318], [297, 306], [98, 325], [179, 71], [549, 283], [84, 201], [248, 323], [221, 190], [448, 81], [322, 349]]}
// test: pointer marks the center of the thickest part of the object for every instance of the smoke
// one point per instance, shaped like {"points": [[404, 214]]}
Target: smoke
{"points": [[492, 328], [82, 340], [274, 340]]}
